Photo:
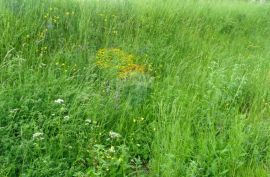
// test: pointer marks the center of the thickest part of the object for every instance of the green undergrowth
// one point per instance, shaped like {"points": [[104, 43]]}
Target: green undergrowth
{"points": [[134, 88]]}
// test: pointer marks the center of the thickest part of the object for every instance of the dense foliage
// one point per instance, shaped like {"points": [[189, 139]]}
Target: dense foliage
{"points": [[134, 88]]}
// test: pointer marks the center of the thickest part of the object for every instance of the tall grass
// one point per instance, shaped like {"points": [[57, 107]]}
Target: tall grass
{"points": [[200, 108]]}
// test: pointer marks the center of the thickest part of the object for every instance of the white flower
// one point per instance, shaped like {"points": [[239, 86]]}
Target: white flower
{"points": [[88, 121], [14, 110], [38, 135], [114, 135], [66, 118], [59, 101], [112, 149]]}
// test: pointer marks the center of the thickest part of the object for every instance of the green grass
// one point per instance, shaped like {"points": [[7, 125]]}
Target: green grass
{"points": [[202, 108]]}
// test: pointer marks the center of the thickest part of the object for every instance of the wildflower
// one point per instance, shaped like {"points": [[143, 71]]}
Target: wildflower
{"points": [[113, 58], [59, 101], [114, 135], [88, 121], [118, 61], [66, 118], [132, 68], [14, 110], [112, 149], [38, 135], [43, 64]]}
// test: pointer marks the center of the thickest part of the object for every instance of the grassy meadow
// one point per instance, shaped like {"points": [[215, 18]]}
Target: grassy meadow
{"points": [[112, 88]]}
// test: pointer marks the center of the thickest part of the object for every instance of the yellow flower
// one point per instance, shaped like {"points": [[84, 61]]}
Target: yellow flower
{"points": [[113, 58], [119, 61], [132, 68]]}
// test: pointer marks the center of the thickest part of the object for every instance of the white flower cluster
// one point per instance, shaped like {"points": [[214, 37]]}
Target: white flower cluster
{"points": [[38, 135], [59, 101], [114, 135]]}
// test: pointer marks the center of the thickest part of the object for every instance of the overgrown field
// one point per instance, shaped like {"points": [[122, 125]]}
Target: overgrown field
{"points": [[134, 88]]}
